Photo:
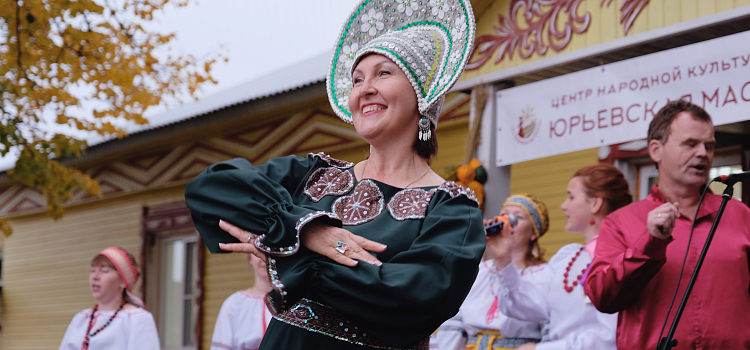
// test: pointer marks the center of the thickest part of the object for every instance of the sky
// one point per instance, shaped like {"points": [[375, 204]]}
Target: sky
{"points": [[256, 36]]}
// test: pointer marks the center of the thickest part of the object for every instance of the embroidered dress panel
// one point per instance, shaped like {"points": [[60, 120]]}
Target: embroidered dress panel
{"points": [[328, 182], [410, 204], [365, 204]]}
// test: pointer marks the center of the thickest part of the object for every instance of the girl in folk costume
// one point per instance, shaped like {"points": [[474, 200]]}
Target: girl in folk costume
{"points": [[244, 317], [373, 255], [479, 323], [574, 323], [118, 320]]}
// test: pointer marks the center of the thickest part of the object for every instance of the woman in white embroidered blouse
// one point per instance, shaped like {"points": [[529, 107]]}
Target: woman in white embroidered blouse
{"points": [[118, 320], [479, 323], [574, 323], [244, 317]]}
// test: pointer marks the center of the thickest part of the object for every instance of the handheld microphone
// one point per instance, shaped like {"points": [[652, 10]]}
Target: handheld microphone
{"points": [[503, 222], [731, 179]]}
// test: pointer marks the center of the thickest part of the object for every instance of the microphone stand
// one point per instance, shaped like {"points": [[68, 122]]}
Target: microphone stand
{"points": [[669, 342]]}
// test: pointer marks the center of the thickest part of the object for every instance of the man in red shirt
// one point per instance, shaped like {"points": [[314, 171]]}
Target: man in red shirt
{"points": [[641, 247]]}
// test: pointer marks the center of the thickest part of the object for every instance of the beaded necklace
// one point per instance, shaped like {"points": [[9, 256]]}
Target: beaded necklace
{"points": [[91, 324], [567, 271]]}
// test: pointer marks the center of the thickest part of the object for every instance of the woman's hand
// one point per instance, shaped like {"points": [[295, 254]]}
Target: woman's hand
{"points": [[527, 346], [244, 236], [500, 247], [324, 240]]}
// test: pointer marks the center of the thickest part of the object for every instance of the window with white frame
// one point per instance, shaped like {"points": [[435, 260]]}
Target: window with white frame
{"points": [[172, 286], [179, 292]]}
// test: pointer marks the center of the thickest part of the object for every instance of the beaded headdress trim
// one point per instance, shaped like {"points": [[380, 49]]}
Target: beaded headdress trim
{"points": [[430, 40]]}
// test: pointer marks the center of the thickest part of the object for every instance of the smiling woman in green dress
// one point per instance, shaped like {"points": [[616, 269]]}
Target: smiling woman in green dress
{"points": [[378, 254]]}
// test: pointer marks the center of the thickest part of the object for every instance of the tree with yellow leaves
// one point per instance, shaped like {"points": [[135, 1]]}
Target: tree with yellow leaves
{"points": [[68, 66]]}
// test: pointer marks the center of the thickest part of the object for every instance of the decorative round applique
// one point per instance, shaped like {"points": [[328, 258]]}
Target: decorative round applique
{"points": [[365, 204], [430, 40], [328, 181], [410, 204]]}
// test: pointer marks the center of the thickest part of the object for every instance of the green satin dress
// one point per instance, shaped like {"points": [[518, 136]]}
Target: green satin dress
{"points": [[434, 236]]}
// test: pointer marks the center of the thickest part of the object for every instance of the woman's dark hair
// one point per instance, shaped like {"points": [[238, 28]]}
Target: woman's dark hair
{"points": [[606, 182], [426, 149]]}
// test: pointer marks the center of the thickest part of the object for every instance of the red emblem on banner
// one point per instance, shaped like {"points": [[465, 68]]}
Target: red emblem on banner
{"points": [[526, 126]]}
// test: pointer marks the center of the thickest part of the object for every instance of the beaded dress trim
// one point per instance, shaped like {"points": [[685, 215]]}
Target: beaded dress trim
{"points": [[456, 190], [341, 164], [319, 318], [277, 286], [276, 251]]}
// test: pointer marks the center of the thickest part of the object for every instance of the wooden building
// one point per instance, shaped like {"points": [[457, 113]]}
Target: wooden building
{"points": [[143, 176], [142, 208]]}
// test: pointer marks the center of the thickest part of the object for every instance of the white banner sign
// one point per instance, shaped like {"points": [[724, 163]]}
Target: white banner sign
{"points": [[615, 103]]}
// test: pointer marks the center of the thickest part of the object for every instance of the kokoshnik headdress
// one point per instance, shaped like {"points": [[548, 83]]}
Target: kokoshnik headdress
{"points": [[431, 40]]}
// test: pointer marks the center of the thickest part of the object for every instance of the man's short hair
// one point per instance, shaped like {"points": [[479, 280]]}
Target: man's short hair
{"points": [[659, 128]]}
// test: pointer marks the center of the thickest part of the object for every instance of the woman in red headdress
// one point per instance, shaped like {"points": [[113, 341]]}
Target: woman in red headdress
{"points": [[118, 321]]}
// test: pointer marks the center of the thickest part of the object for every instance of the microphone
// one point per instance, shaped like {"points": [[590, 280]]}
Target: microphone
{"points": [[731, 179], [502, 223]]}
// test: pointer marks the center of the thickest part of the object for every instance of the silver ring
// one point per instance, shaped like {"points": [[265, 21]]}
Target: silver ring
{"points": [[341, 247], [250, 237], [659, 215]]}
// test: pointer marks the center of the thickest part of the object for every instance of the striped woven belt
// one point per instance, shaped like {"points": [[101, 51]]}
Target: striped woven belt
{"points": [[316, 317], [493, 340]]}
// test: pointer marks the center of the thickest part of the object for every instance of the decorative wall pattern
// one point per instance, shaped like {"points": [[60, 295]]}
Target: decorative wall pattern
{"points": [[311, 131], [543, 24]]}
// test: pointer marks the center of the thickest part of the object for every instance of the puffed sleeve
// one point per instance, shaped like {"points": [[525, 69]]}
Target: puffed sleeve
{"points": [[524, 300], [255, 198], [410, 295], [143, 335]]}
